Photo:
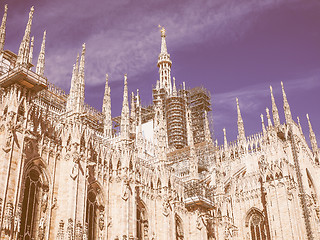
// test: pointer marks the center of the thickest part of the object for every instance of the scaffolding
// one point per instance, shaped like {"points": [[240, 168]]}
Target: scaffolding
{"points": [[176, 121], [198, 195], [199, 102]]}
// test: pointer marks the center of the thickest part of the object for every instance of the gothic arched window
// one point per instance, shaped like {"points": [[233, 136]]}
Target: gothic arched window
{"points": [[30, 205], [91, 215], [142, 222], [179, 228], [256, 224]]}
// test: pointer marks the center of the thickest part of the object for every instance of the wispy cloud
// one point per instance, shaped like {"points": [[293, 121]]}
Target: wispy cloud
{"points": [[122, 37], [257, 97]]}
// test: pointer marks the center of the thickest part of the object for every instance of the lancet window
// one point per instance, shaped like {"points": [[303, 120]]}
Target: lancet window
{"points": [[142, 222], [256, 226], [91, 215], [30, 205]]}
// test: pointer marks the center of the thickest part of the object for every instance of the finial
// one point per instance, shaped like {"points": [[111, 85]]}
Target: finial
{"points": [[225, 142], [163, 41], [300, 128], [268, 117], [107, 79], [262, 124], [313, 139], [174, 89], [275, 113], [3, 27], [162, 30], [41, 59], [138, 98]]}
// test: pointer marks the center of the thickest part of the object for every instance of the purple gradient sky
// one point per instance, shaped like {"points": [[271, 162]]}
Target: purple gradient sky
{"points": [[234, 48]]}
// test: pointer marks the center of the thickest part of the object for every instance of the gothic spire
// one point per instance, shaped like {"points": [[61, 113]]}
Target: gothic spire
{"points": [[80, 82], [164, 64], [300, 128], [241, 133], [106, 110], [139, 138], [23, 54], [225, 142], [163, 41], [73, 87], [275, 113], [313, 138], [31, 50], [41, 59], [268, 117], [3, 28], [207, 133], [286, 107], [133, 113], [125, 118], [138, 98], [262, 124]]}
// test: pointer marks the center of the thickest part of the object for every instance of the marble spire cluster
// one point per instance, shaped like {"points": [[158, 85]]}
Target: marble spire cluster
{"points": [[76, 97], [106, 109], [25, 52]]}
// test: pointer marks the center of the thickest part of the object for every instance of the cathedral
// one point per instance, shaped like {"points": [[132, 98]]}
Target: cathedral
{"points": [[69, 171]]}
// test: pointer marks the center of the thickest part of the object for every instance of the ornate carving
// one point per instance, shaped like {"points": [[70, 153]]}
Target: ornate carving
{"points": [[85, 232], [166, 206], [101, 220], [125, 188], [78, 231], [8, 217], [17, 219], [42, 227], [60, 234], [70, 229], [44, 199]]}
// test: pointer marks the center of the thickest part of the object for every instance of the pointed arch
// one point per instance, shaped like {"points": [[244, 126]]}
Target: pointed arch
{"points": [[94, 209], [33, 198], [255, 221], [142, 221]]}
